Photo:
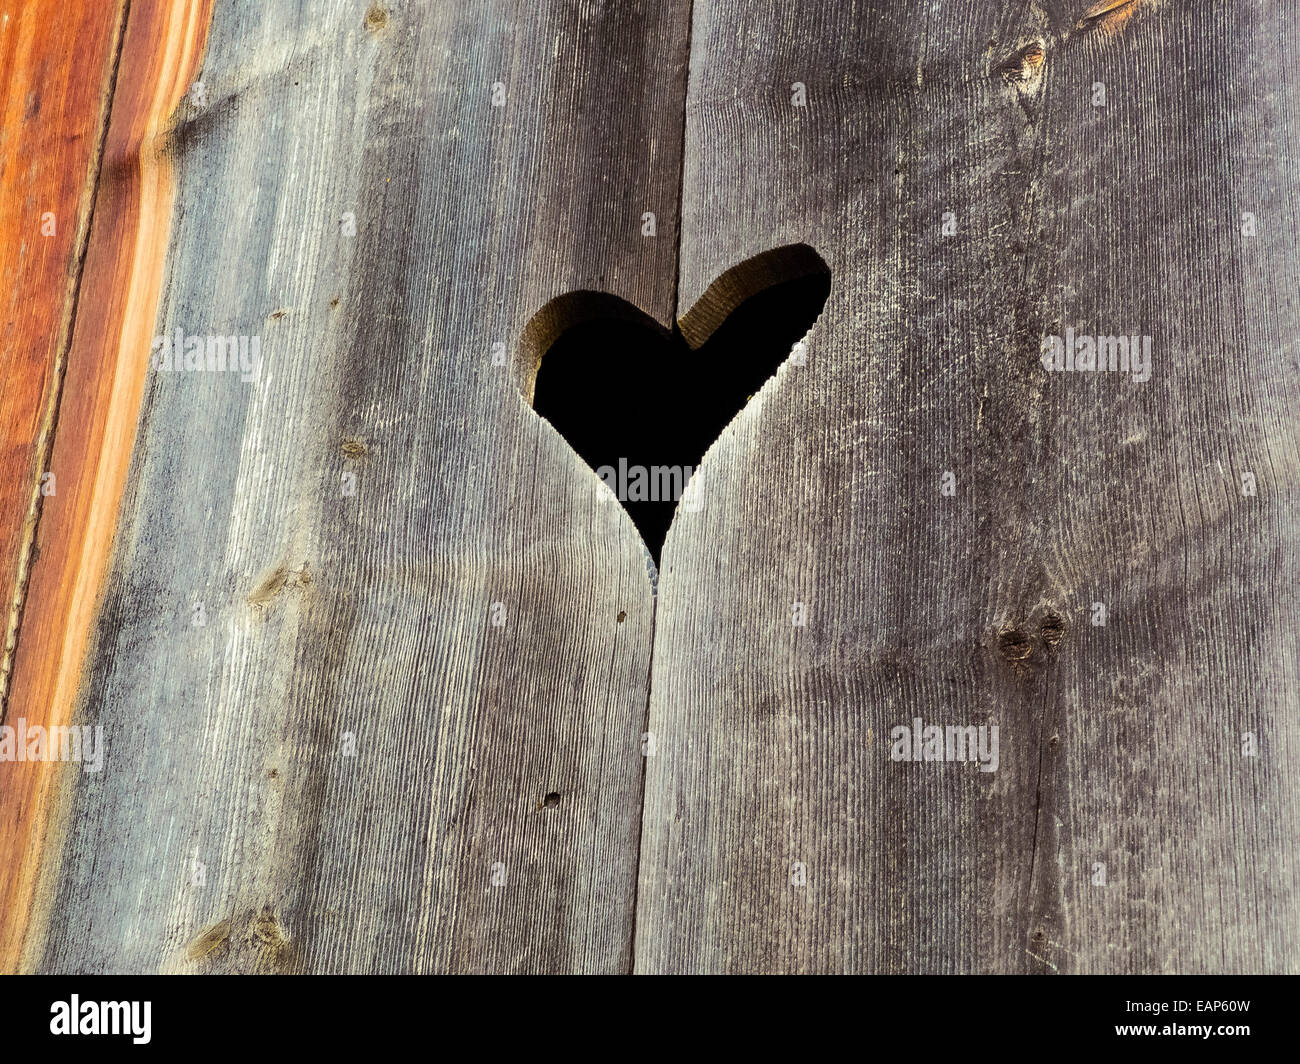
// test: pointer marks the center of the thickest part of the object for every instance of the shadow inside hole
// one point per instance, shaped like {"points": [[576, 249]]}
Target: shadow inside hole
{"points": [[629, 397]]}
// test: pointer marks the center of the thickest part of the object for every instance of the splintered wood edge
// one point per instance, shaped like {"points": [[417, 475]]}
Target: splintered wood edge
{"points": [[161, 53]]}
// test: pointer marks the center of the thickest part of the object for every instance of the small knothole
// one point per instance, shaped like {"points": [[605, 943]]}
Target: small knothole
{"points": [[1052, 629], [1025, 67], [1014, 646], [622, 616], [1108, 15], [641, 405], [551, 800]]}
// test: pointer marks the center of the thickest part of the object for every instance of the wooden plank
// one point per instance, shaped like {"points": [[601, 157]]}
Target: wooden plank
{"points": [[779, 835], [53, 110], [96, 421], [348, 766]]}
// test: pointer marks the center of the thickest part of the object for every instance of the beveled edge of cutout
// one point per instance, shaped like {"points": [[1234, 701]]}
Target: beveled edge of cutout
{"points": [[742, 282], [560, 314]]}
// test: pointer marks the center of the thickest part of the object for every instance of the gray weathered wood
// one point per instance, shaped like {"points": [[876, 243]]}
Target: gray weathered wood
{"points": [[1119, 745], [230, 830], [330, 614]]}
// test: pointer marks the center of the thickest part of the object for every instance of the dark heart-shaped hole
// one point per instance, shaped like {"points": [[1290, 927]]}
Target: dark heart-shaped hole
{"points": [[642, 405]]}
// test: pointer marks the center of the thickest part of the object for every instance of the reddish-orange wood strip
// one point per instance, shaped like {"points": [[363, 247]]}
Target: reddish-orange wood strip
{"points": [[56, 72], [116, 307]]}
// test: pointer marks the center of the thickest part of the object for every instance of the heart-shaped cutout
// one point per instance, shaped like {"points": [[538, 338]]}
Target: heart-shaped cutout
{"points": [[641, 405]]}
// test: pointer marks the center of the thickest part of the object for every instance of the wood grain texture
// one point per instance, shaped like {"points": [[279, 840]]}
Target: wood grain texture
{"points": [[1119, 745], [57, 63], [231, 830], [97, 416], [373, 659]]}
